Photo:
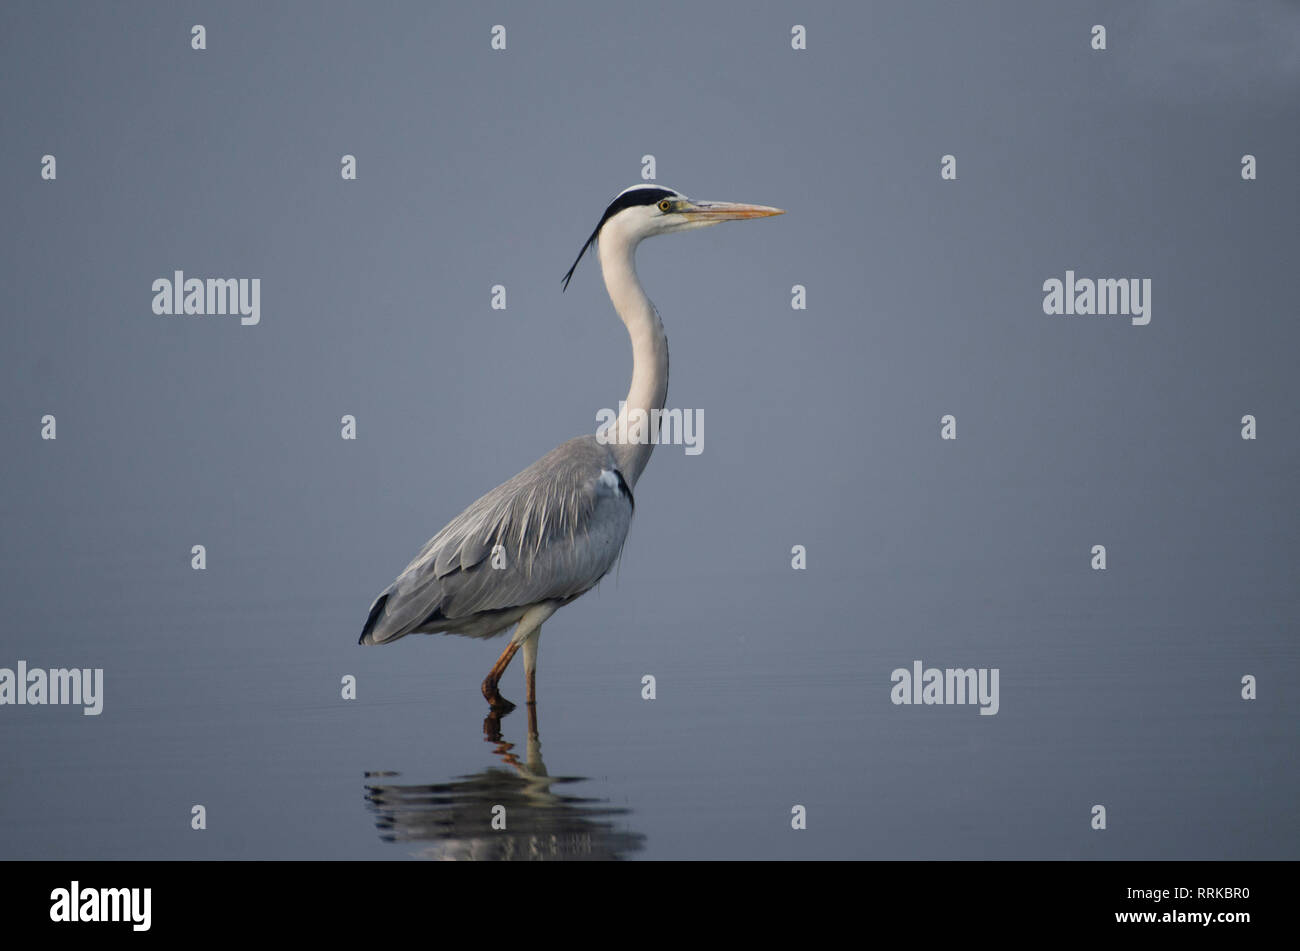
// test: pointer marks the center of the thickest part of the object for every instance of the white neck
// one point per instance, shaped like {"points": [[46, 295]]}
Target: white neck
{"points": [[649, 389]]}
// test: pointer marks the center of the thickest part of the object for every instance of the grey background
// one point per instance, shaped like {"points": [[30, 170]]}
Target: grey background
{"points": [[821, 427]]}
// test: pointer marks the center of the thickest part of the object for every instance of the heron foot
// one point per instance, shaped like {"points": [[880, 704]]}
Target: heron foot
{"points": [[492, 695]]}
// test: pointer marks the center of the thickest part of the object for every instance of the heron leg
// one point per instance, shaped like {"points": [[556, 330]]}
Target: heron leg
{"points": [[530, 665], [532, 721], [526, 637], [490, 691]]}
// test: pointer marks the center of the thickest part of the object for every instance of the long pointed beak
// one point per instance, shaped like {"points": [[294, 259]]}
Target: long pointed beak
{"points": [[712, 211]]}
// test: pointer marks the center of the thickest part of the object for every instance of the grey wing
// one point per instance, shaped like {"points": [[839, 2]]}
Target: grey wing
{"points": [[548, 534]]}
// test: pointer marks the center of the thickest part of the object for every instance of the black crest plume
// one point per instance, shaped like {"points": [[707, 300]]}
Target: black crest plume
{"points": [[636, 195]]}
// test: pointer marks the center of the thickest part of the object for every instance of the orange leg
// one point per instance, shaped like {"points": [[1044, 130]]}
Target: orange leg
{"points": [[526, 634], [490, 691]]}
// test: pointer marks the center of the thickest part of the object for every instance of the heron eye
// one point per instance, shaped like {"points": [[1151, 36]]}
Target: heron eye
{"points": [[665, 205]]}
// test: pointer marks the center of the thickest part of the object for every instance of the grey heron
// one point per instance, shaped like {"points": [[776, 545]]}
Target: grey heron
{"points": [[547, 536]]}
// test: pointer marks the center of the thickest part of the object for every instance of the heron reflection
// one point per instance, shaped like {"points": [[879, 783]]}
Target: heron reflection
{"points": [[511, 812]]}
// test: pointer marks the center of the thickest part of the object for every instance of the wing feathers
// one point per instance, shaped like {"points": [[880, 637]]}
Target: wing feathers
{"points": [[560, 523]]}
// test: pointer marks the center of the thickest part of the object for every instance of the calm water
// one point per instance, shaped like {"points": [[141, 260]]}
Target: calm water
{"points": [[757, 709]]}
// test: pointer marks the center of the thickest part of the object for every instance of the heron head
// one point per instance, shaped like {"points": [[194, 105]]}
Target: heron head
{"points": [[645, 210]]}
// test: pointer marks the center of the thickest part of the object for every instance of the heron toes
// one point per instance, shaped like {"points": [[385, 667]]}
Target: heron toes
{"points": [[498, 703]]}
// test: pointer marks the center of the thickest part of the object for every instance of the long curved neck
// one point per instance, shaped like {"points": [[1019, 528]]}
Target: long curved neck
{"points": [[631, 438]]}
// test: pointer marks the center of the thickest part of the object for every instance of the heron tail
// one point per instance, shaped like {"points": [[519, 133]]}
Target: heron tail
{"points": [[376, 612]]}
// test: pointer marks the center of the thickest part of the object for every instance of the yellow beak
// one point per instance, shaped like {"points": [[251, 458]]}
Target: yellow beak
{"points": [[727, 211]]}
